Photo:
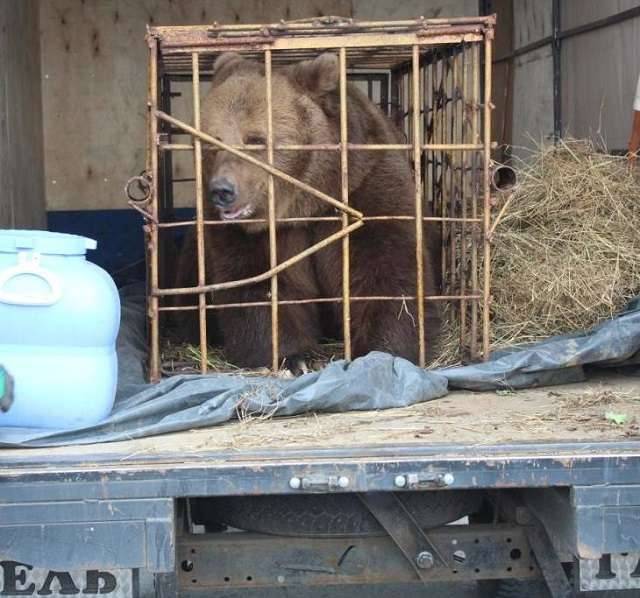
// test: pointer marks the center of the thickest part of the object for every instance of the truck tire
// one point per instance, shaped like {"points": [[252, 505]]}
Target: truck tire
{"points": [[327, 515]]}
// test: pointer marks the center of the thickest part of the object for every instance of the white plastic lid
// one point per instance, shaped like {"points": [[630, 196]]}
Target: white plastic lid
{"points": [[44, 242]]}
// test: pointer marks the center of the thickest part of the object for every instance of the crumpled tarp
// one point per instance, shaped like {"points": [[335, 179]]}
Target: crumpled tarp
{"points": [[557, 360], [375, 381]]}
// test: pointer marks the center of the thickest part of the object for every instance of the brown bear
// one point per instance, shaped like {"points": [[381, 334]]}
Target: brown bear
{"points": [[306, 110]]}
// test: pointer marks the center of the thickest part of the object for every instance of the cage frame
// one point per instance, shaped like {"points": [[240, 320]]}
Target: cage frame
{"points": [[185, 47]]}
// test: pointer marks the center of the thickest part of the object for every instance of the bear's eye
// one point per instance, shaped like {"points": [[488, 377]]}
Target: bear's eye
{"points": [[255, 140]]}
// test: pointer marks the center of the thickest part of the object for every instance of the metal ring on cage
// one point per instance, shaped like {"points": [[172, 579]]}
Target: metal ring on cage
{"points": [[144, 186]]}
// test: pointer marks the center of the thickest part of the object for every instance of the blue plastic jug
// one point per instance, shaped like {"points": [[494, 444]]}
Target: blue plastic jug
{"points": [[59, 319]]}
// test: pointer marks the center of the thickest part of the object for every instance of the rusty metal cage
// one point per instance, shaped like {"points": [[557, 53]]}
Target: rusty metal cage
{"points": [[439, 74]]}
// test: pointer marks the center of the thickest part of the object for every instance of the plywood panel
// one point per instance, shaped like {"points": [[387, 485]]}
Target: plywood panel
{"points": [[94, 84], [21, 157]]}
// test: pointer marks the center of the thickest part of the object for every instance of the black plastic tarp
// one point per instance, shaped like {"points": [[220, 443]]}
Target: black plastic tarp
{"points": [[376, 381]]}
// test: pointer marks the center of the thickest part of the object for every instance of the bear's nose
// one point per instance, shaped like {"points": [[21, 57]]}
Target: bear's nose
{"points": [[222, 191]]}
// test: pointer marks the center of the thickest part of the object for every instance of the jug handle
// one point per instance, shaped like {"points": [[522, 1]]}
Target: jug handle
{"points": [[30, 265]]}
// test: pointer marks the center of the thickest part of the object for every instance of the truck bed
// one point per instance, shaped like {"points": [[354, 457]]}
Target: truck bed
{"points": [[476, 422]]}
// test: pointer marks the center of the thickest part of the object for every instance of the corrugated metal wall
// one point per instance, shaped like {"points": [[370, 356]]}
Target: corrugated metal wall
{"points": [[598, 72], [532, 75]]}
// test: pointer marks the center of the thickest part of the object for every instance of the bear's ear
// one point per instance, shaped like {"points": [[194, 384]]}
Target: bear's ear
{"points": [[226, 63], [320, 75]]}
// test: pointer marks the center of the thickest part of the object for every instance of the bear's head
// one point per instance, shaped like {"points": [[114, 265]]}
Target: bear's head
{"points": [[305, 111]]}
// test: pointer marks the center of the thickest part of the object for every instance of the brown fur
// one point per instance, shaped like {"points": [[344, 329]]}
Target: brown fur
{"points": [[305, 111]]}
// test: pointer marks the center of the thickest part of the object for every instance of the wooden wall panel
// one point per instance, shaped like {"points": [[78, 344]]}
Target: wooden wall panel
{"points": [[21, 156], [95, 69]]}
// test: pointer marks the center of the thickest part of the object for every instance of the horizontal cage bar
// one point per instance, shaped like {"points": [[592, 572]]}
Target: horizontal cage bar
{"points": [[318, 300], [334, 147], [318, 219]]}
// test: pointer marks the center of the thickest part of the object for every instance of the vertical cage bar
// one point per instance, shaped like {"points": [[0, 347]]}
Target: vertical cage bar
{"points": [[197, 156], [453, 228], [441, 172], [423, 127], [396, 106], [426, 175], [486, 289], [165, 162], [344, 169], [433, 158], [424, 119], [417, 150], [154, 312], [273, 248], [475, 107], [463, 190], [406, 103]]}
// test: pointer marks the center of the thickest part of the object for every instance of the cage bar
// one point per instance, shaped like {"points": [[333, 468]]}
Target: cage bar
{"points": [[474, 196], [197, 155], [183, 223], [353, 299], [273, 251], [333, 147], [463, 171], [486, 287], [417, 155], [153, 240], [344, 185], [451, 162]]}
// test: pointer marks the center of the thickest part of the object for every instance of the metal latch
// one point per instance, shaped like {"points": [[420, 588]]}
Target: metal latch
{"points": [[319, 483], [432, 479]]}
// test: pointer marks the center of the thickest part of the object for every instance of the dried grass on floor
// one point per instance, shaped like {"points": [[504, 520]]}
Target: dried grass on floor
{"points": [[185, 359]]}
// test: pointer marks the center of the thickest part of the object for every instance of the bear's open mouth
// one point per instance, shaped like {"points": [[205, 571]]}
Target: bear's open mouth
{"points": [[230, 214]]}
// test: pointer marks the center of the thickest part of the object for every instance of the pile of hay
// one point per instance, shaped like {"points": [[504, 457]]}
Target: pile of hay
{"points": [[566, 250]]}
